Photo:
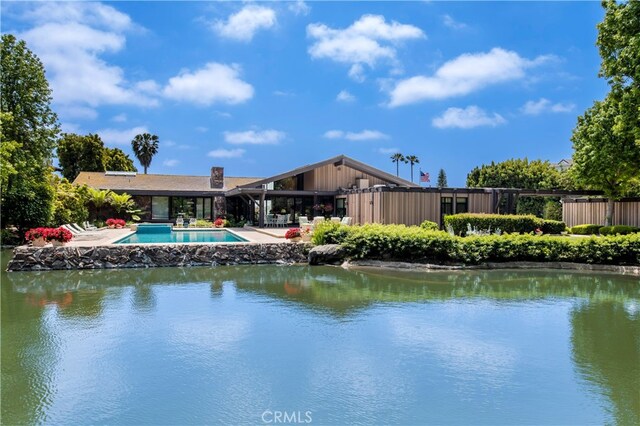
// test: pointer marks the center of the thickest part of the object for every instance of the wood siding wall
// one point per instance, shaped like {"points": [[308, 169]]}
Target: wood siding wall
{"points": [[624, 213], [330, 178], [408, 208]]}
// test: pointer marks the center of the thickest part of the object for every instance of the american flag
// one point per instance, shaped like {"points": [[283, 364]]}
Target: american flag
{"points": [[424, 176]]}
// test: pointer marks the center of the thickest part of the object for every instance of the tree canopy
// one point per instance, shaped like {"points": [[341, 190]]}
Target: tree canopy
{"points": [[116, 160], [442, 179], [515, 173]]}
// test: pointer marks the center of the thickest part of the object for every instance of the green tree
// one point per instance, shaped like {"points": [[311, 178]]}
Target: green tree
{"points": [[116, 160], [78, 153], [442, 179], [70, 202], [606, 139], [8, 150], [604, 158], [398, 158], [27, 195], [145, 146], [412, 159], [518, 173], [98, 198]]}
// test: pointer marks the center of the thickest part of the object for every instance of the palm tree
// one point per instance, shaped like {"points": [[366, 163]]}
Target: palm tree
{"points": [[145, 146], [98, 198], [412, 159], [397, 158]]}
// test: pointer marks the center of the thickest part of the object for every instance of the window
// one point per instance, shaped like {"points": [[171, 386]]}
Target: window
{"points": [[160, 208], [462, 204], [446, 207]]}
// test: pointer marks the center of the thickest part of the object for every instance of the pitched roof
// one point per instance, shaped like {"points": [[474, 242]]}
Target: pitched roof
{"points": [[338, 160], [152, 182]]}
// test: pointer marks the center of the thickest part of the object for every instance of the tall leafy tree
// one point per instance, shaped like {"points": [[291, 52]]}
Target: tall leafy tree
{"points": [[603, 158], [27, 195], [145, 146], [412, 159], [606, 139], [398, 158], [116, 160], [442, 179], [78, 153]]}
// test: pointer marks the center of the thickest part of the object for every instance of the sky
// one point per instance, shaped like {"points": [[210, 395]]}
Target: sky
{"points": [[264, 87]]}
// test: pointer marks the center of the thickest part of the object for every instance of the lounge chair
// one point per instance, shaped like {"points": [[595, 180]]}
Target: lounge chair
{"points": [[192, 222], [335, 219], [303, 220], [346, 221], [89, 227], [180, 222]]}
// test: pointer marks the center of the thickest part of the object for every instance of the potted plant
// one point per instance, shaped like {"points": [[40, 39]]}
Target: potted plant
{"points": [[294, 235], [59, 236], [116, 223], [305, 233], [37, 236]]}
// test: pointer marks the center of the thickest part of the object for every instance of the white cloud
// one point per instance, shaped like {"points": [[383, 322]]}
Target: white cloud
{"points": [[253, 137], [170, 163], [283, 93], [387, 151], [545, 105], [120, 136], [77, 111], [223, 114], [364, 135], [467, 118], [368, 41], [70, 38], [465, 74], [120, 118], [202, 129], [299, 8], [227, 153], [214, 83], [243, 25], [448, 21], [345, 96]]}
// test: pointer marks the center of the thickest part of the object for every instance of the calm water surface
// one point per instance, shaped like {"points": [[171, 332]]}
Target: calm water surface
{"points": [[226, 344], [219, 236]]}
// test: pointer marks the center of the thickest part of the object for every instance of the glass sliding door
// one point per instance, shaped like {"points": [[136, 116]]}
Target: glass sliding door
{"points": [[160, 208]]}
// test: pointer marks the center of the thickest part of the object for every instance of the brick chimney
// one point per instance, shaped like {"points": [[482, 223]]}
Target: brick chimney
{"points": [[217, 178]]}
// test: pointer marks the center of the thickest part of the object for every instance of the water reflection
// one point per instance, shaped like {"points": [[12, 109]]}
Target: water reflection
{"points": [[445, 328]]}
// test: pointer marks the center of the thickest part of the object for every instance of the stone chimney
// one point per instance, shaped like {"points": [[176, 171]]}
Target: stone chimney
{"points": [[217, 178]]}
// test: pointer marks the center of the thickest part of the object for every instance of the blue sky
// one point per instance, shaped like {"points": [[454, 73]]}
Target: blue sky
{"points": [[263, 87]]}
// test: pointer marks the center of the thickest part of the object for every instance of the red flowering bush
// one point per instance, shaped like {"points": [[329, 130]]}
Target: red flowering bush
{"points": [[293, 233], [116, 222], [59, 234], [219, 222], [35, 233]]}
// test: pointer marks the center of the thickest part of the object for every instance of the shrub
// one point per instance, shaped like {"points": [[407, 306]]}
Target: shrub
{"points": [[10, 237], [412, 243], [330, 233], [586, 229], [59, 234], [430, 226], [505, 223], [618, 230], [552, 209], [116, 222], [553, 226], [201, 223]]}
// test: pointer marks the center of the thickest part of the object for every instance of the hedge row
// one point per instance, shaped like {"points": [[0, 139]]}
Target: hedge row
{"points": [[505, 223], [411, 243], [604, 230]]}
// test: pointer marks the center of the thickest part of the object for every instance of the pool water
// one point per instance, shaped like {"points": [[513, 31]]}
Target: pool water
{"points": [[186, 236], [236, 344]]}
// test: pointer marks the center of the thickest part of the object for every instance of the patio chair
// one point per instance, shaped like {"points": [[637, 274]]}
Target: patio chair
{"points": [[281, 220], [180, 222], [303, 220], [317, 220], [346, 221], [269, 220], [335, 219], [192, 222]]}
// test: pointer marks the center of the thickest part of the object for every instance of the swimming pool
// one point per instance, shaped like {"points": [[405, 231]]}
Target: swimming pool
{"points": [[186, 236]]}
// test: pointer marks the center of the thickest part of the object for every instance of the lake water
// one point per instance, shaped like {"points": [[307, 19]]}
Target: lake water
{"points": [[242, 345]]}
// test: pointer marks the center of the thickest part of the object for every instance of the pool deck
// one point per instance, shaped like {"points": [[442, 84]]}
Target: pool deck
{"points": [[107, 237]]}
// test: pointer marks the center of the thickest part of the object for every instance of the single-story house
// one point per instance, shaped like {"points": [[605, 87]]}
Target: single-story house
{"points": [[338, 186]]}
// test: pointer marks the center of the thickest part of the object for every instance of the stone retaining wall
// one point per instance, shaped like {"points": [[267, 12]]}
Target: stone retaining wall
{"points": [[146, 256]]}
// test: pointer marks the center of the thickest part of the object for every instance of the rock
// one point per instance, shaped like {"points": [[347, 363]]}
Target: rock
{"points": [[329, 254]]}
